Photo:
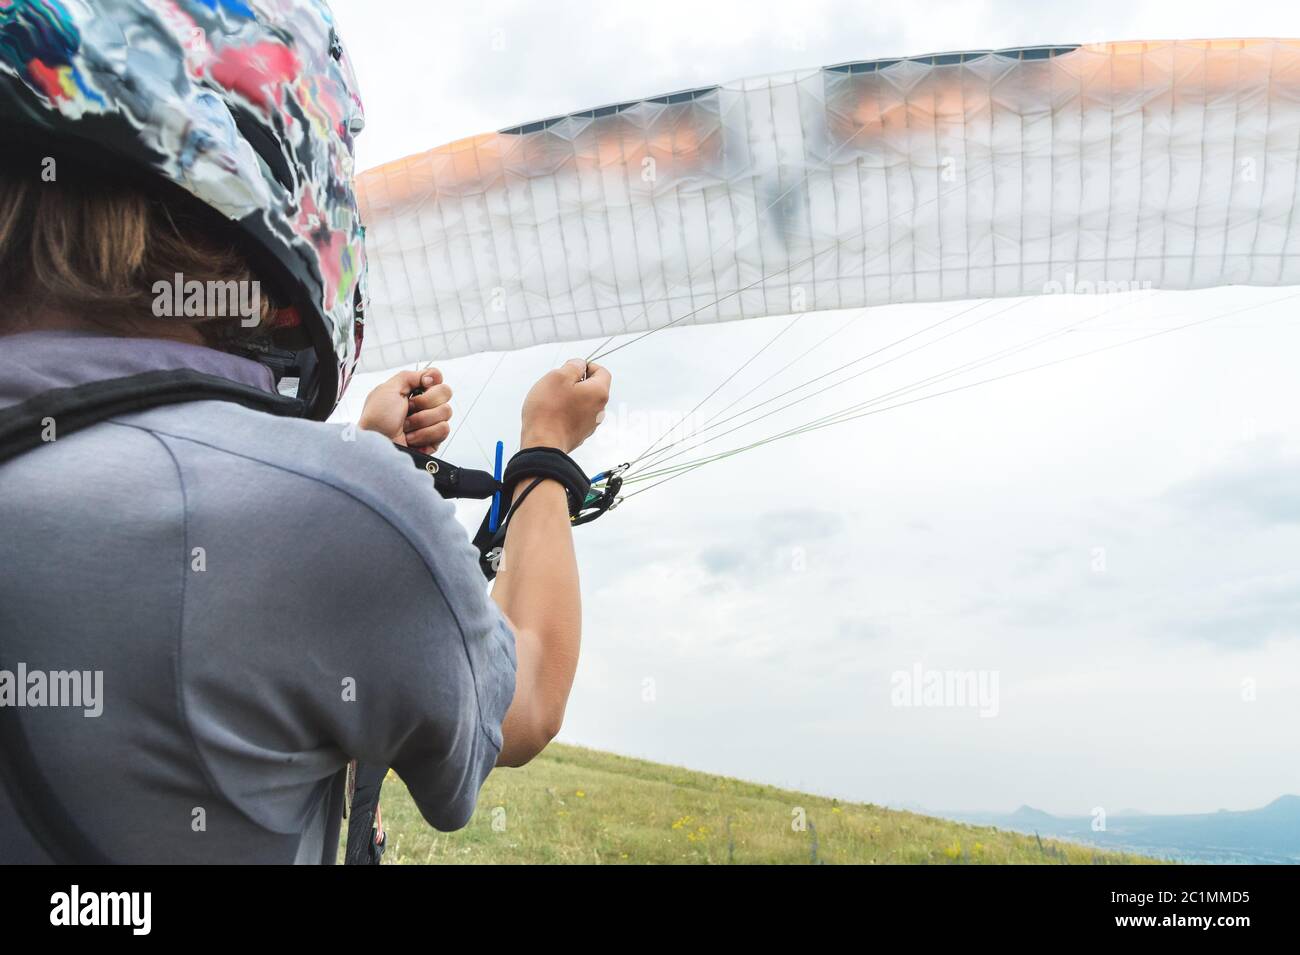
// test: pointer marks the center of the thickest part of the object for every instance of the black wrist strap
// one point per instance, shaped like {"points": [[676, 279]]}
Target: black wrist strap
{"points": [[549, 463], [533, 465]]}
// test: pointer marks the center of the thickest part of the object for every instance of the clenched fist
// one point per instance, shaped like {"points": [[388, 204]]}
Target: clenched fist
{"points": [[419, 421], [564, 408]]}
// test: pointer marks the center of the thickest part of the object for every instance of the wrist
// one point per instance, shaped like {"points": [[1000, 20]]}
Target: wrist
{"points": [[541, 438], [364, 425], [546, 487]]}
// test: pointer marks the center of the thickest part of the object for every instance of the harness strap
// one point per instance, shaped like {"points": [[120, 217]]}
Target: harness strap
{"points": [[24, 427], [366, 837], [450, 481]]}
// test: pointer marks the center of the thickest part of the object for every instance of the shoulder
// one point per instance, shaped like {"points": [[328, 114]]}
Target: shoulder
{"points": [[311, 475], [333, 460], [342, 458]]}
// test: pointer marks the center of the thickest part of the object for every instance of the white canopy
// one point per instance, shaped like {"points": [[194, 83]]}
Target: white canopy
{"points": [[967, 175]]}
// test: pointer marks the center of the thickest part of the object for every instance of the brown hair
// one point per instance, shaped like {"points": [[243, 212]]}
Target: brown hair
{"points": [[92, 248]]}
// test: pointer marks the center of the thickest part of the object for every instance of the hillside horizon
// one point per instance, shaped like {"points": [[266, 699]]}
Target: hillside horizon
{"points": [[576, 805]]}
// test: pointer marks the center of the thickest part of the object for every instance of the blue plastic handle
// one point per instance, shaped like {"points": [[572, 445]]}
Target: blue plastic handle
{"points": [[494, 518]]}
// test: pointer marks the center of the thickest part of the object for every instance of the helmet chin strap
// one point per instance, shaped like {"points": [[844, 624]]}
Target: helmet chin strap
{"points": [[294, 369]]}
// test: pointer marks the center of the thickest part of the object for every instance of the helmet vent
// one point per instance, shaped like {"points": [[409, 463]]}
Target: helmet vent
{"points": [[265, 145]]}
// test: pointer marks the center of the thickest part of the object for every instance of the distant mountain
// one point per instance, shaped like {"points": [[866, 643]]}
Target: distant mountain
{"points": [[1029, 816], [1270, 834]]}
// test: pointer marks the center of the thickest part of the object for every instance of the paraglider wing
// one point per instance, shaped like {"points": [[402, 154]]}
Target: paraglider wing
{"points": [[1167, 165]]}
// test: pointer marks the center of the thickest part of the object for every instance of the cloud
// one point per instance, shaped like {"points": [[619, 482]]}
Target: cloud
{"points": [[1261, 482], [1252, 612]]}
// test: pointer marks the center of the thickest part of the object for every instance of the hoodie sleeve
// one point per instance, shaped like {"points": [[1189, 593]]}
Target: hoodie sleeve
{"points": [[341, 615]]}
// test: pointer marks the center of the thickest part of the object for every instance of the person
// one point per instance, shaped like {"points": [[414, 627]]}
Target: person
{"points": [[242, 602]]}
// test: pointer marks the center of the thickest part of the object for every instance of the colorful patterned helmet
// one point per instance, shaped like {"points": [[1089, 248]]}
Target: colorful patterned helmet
{"points": [[248, 106]]}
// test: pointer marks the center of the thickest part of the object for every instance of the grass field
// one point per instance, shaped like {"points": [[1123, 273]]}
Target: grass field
{"points": [[574, 805]]}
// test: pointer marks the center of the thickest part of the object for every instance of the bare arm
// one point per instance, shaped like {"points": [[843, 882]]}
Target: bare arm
{"points": [[537, 588]]}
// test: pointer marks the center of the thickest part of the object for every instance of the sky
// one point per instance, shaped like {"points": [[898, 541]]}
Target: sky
{"points": [[1102, 551]]}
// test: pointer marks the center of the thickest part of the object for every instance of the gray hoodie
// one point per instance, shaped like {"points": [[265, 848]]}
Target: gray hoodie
{"points": [[259, 599]]}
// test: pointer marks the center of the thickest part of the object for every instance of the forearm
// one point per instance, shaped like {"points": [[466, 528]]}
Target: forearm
{"points": [[537, 589]]}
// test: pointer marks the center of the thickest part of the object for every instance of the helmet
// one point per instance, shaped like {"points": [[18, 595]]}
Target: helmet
{"points": [[247, 106]]}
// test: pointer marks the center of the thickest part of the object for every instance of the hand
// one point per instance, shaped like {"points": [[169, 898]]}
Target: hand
{"points": [[565, 407], [419, 422]]}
